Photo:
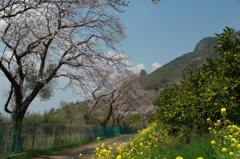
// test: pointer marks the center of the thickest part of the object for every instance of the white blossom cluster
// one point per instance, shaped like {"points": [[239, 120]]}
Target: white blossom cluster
{"points": [[46, 39]]}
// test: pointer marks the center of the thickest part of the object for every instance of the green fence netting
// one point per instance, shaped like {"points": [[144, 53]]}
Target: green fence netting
{"points": [[21, 137]]}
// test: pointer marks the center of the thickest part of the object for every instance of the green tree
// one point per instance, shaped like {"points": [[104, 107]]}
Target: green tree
{"points": [[206, 90], [142, 72]]}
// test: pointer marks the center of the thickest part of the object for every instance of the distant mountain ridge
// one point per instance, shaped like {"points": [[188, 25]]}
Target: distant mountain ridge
{"points": [[177, 68]]}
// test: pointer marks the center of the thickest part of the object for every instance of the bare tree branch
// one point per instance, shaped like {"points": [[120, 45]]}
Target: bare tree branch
{"points": [[48, 39], [8, 100]]}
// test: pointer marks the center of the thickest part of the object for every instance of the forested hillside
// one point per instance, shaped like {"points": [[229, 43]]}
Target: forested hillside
{"points": [[177, 68], [208, 92]]}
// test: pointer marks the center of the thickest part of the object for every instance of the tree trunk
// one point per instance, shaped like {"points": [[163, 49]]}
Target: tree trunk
{"points": [[113, 120], [17, 118], [104, 123], [18, 114], [87, 119], [17, 139]]}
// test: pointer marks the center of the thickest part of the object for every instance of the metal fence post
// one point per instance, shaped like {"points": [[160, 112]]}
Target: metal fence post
{"points": [[16, 138], [1, 135], [56, 131], [45, 142], [34, 133]]}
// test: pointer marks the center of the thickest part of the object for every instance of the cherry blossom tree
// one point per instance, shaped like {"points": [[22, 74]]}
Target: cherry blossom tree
{"points": [[120, 93], [45, 40], [11, 8]]}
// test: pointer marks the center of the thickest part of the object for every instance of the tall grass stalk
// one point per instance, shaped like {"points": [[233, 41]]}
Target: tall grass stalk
{"points": [[155, 142]]}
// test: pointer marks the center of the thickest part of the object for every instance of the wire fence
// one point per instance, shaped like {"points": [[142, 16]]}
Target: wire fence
{"points": [[21, 137]]}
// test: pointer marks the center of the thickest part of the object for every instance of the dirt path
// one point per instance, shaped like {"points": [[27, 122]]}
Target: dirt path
{"points": [[88, 149]]}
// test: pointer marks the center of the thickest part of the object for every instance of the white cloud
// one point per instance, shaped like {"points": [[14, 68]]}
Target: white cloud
{"points": [[138, 68], [155, 66]]}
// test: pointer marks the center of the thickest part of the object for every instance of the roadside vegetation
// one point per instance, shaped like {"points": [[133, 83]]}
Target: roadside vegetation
{"points": [[35, 153], [198, 118], [159, 141]]}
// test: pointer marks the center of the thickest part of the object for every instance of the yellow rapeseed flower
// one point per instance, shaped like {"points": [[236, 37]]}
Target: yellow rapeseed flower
{"points": [[200, 158], [80, 155], [223, 111], [234, 140], [103, 145], [224, 150], [238, 155], [179, 157], [233, 145], [231, 153], [119, 157], [213, 142], [97, 148]]}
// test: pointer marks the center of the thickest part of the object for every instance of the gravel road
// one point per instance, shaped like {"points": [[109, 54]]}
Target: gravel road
{"points": [[88, 149]]}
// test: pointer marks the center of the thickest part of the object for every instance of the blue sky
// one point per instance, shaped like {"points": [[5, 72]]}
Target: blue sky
{"points": [[160, 33]]}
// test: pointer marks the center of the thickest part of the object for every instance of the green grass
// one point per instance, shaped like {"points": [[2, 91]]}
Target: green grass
{"points": [[35, 153], [49, 151], [154, 142], [4, 154], [199, 147]]}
